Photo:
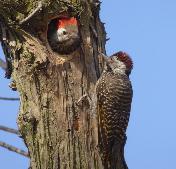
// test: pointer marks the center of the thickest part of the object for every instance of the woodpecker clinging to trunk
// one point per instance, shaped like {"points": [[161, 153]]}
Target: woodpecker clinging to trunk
{"points": [[63, 35], [114, 97]]}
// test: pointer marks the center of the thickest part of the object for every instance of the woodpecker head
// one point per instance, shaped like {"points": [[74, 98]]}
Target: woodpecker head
{"points": [[67, 28], [63, 35], [120, 62]]}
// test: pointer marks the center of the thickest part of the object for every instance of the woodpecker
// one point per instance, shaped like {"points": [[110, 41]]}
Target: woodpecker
{"points": [[63, 35], [114, 96]]}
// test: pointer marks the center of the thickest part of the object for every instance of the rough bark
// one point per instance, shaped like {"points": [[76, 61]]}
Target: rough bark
{"points": [[56, 118]]}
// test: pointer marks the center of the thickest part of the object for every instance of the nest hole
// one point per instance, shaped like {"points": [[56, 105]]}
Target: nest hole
{"points": [[63, 35]]}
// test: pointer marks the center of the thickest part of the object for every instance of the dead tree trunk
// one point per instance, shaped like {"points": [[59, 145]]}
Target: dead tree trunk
{"points": [[56, 117]]}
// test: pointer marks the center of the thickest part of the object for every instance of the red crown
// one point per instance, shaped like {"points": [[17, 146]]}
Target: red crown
{"points": [[63, 22], [125, 58]]}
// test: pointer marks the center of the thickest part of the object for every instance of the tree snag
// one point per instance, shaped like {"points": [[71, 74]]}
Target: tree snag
{"points": [[57, 117]]}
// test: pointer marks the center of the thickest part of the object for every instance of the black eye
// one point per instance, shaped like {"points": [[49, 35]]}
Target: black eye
{"points": [[64, 32]]}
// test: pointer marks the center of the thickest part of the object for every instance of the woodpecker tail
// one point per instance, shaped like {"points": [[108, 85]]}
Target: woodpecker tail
{"points": [[117, 160]]}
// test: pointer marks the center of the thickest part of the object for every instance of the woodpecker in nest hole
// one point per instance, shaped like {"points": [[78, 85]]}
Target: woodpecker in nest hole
{"points": [[63, 35]]}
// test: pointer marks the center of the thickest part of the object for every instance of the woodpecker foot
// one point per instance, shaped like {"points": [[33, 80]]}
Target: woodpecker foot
{"points": [[84, 100]]}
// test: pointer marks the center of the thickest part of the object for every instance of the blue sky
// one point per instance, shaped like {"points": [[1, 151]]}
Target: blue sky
{"points": [[147, 31]]}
